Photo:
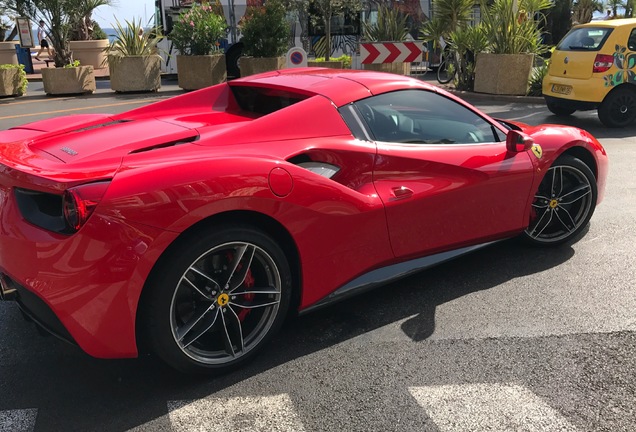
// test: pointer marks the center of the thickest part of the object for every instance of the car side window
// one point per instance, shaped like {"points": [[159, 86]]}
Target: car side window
{"points": [[423, 117], [631, 42]]}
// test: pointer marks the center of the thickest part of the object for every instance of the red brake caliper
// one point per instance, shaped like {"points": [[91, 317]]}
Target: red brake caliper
{"points": [[247, 283]]}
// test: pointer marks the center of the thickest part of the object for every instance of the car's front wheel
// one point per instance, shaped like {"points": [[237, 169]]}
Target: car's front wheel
{"points": [[216, 299], [563, 204], [618, 109]]}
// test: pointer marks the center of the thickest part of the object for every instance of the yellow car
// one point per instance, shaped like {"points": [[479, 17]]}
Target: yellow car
{"points": [[594, 67]]}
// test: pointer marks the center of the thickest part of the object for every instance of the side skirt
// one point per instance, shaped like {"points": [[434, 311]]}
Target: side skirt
{"points": [[385, 275]]}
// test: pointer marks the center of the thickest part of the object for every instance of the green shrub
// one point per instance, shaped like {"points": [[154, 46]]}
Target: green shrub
{"points": [[266, 31], [198, 30], [23, 82], [345, 59], [131, 40], [73, 64]]}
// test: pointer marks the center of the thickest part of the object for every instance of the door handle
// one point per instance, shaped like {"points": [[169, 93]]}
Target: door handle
{"points": [[402, 192]]}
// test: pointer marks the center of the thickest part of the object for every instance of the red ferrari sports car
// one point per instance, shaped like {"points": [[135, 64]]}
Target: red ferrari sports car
{"points": [[197, 223]]}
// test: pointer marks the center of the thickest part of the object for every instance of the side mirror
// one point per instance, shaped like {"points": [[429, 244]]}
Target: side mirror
{"points": [[518, 142]]}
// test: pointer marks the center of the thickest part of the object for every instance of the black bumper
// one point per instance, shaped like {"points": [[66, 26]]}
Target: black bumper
{"points": [[572, 104], [33, 307]]}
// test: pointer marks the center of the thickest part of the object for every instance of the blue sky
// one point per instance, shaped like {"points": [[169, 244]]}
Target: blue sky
{"points": [[124, 10]]}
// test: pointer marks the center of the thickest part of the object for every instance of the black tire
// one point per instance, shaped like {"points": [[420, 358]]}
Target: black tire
{"points": [[564, 203], [618, 109], [444, 75], [216, 299], [559, 110]]}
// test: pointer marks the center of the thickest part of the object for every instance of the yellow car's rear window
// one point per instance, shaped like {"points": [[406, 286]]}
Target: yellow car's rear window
{"points": [[585, 39]]}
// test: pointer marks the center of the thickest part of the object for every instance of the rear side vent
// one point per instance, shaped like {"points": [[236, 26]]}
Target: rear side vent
{"points": [[321, 168], [168, 144]]}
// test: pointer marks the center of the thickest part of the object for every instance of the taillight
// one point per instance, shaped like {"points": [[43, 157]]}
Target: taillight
{"points": [[79, 202], [602, 63]]}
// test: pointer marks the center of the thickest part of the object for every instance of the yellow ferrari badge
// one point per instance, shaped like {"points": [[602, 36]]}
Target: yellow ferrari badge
{"points": [[537, 150], [223, 299]]}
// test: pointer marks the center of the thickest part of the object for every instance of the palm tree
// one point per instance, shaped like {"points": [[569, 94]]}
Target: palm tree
{"points": [[584, 9], [453, 13]]}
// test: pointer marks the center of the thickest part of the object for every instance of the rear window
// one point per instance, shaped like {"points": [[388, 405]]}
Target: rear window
{"points": [[585, 39], [263, 100]]}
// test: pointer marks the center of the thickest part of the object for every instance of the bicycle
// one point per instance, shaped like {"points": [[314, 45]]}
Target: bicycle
{"points": [[448, 67]]}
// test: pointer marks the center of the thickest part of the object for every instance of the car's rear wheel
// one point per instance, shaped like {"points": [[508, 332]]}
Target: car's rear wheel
{"points": [[559, 110], [563, 204], [618, 109], [216, 299]]}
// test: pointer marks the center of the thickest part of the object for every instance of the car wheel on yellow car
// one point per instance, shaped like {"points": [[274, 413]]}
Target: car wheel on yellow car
{"points": [[618, 109]]}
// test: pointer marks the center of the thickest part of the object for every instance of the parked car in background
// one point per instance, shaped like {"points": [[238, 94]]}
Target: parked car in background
{"points": [[594, 67], [197, 223]]}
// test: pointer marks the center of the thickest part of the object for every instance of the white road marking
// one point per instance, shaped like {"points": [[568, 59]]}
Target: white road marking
{"points": [[245, 414], [488, 407], [22, 420]]}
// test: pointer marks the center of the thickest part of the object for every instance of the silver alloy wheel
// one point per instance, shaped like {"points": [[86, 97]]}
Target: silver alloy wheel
{"points": [[561, 205], [225, 303]]}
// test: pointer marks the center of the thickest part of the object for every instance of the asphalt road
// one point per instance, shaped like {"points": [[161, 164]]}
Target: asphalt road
{"points": [[508, 338]]}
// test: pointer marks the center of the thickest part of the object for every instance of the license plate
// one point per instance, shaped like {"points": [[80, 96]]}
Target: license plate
{"points": [[561, 89]]}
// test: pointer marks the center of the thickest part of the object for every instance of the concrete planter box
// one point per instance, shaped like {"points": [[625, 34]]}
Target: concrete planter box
{"points": [[10, 82], [59, 81], [503, 74], [8, 54], [197, 72], [135, 73], [90, 53], [255, 65], [396, 68], [331, 64]]}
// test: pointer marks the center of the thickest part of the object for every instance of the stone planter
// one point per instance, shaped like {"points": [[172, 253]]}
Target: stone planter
{"points": [[331, 64], [197, 72], [135, 73], [396, 68], [10, 82], [255, 65], [90, 52], [8, 54], [59, 81], [504, 74]]}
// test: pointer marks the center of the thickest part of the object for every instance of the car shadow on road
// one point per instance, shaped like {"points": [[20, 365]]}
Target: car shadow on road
{"points": [[71, 388]]}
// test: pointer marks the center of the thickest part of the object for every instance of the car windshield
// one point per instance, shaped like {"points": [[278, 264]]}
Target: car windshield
{"points": [[584, 39]]}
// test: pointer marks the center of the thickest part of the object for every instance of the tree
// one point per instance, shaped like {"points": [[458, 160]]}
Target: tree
{"points": [[327, 9], [558, 21], [614, 5], [453, 13], [60, 16], [584, 10]]}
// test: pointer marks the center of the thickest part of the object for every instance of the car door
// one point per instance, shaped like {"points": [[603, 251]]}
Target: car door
{"points": [[443, 173]]}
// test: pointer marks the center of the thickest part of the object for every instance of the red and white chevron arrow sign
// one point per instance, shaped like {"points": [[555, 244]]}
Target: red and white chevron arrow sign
{"points": [[391, 52]]}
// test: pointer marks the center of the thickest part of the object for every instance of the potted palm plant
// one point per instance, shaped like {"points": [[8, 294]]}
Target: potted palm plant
{"points": [[266, 33], [133, 60], [13, 81], [200, 62], [513, 31]]}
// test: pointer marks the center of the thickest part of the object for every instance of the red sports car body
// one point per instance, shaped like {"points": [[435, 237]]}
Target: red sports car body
{"points": [[199, 221]]}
